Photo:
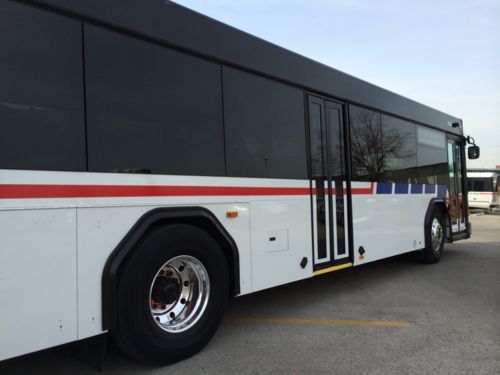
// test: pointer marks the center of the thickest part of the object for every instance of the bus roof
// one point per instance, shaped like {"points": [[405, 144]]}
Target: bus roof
{"points": [[171, 24]]}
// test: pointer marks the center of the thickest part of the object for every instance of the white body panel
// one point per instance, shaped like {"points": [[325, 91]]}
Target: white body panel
{"points": [[276, 262], [78, 253], [482, 199], [388, 224], [38, 289], [54, 245]]}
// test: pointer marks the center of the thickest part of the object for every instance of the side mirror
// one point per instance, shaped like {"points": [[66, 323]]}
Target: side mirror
{"points": [[473, 152]]}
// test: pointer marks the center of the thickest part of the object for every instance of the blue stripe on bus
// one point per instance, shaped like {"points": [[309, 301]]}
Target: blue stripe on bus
{"points": [[401, 189], [430, 189], [441, 191], [416, 188], [384, 188]]}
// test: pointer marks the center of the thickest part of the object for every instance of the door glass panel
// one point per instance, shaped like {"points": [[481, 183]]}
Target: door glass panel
{"points": [[456, 189], [458, 165], [317, 168], [318, 172], [335, 143], [451, 175], [335, 160], [327, 174]]}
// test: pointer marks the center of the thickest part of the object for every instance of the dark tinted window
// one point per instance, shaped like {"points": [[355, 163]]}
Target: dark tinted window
{"points": [[480, 184], [400, 150], [151, 109], [432, 156], [335, 143], [366, 144], [316, 129], [265, 131], [41, 90]]}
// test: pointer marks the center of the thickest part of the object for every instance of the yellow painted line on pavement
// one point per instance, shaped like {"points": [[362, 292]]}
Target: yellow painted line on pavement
{"points": [[331, 269], [319, 322]]}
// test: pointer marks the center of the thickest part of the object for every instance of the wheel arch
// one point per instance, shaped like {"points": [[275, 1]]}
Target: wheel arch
{"points": [[196, 216]]}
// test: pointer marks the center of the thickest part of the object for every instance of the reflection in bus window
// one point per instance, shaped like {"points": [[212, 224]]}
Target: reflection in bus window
{"points": [[400, 150], [366, 145]]}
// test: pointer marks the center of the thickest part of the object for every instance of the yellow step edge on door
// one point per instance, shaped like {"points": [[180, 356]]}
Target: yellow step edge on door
{"points": [[331, 269]]}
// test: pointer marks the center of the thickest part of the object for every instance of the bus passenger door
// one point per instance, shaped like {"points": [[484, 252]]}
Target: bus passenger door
{"points": [[455, 172], [327, 167]]}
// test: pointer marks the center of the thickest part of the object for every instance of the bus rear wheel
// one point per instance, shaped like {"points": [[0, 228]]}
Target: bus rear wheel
{"points": [[172, 295], [434, 237]]}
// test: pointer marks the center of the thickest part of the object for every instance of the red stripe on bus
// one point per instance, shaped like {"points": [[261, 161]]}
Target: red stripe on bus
{"points": [[361, 191], [355, 191], [17, 191]]}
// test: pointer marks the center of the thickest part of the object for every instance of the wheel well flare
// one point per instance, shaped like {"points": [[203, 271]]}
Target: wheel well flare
{"points": [[196, 216]]}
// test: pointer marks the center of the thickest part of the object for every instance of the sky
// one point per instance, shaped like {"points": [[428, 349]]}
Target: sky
{"points": [[442, 53]]}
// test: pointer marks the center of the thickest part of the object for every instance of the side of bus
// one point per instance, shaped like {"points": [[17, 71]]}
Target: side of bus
{"points": [[482, 189], [141, 185]]}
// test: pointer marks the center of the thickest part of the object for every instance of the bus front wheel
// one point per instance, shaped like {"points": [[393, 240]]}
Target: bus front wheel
{"points": [[172, 295], [434, 236]]}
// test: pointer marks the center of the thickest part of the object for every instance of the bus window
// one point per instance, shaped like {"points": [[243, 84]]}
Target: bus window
{"points": [[366, 144], [400, 150], [265, 131], [142, 97], [41, 90]]}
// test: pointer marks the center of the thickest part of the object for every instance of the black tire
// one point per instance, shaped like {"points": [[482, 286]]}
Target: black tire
{"points": [[434, 249], [138, 334]]}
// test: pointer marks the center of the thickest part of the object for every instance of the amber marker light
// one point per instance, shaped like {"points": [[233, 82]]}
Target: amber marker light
{"points": [[231, 214]]}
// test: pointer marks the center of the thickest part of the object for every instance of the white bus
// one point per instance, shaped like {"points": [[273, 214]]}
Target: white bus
{"points": [[482, 187], [155, 162]]}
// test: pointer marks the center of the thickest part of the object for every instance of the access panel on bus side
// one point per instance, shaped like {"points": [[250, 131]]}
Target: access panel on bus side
{"points": [[328, 176]]}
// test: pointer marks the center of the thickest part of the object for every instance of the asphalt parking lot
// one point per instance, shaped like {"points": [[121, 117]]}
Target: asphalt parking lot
{"points": [[395, 316]]}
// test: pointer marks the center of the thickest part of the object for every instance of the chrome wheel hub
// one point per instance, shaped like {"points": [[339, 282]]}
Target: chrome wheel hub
{"points": [[437, 234], [179, 293]]}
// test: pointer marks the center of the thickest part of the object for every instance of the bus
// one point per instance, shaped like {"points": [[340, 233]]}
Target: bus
{"points": [[155, 162], [482, 187]]}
